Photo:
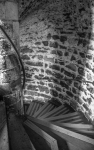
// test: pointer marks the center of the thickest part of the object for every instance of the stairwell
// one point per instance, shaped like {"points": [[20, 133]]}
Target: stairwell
{"points": [[50, 126], [56, 46]]}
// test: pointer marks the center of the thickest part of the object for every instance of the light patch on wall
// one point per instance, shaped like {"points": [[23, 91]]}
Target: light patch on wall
{"points": [[91, 107]]}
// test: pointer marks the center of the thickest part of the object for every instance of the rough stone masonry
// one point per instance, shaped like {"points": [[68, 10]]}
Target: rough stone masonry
{"points": [[8, 77], [57, 48]]}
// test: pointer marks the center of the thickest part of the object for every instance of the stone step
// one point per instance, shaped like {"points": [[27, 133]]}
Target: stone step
{"points": [[71, 140]]}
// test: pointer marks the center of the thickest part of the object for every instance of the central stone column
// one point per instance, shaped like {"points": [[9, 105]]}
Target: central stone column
{"points": [[9, 17]]}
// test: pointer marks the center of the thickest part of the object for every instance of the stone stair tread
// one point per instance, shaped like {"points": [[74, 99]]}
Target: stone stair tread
{"points": [[62, 144], [85, 129], [62, 109], [38, 142], [51, 142], [33, 107], [76, 139], [76, 117], [62, 117], [45, 108], [54, 112]]}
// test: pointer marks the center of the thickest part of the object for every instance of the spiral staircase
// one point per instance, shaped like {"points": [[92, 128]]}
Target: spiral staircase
{"points": [[49, 126]]}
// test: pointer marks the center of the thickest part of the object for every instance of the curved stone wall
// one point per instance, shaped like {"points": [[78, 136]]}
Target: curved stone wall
{"points": [[57, 49]]}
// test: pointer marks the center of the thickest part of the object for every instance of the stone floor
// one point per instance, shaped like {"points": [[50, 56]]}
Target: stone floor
{"points": [[18, 137]]}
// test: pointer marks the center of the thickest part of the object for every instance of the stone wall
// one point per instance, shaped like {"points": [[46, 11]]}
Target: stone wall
{"points": [[57, 49], [10, 81]]}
